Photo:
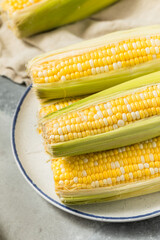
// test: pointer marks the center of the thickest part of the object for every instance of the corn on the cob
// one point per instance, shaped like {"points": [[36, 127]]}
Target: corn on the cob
{"points": [[95, 65], [121, 115], [53, 106], [27, 17], [111, 175]]}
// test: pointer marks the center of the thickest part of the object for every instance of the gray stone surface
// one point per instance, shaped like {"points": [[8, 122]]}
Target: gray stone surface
{"points": [[24, 215]]}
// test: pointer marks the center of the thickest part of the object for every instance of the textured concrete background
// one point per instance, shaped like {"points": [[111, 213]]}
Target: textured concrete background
{"points": [[24, 215]]}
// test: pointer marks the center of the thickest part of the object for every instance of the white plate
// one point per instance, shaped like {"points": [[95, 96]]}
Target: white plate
{"points": [[31, 159]]}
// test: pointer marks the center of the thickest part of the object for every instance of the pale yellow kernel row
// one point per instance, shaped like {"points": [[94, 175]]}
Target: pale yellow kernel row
{"points": [[109, 168]]}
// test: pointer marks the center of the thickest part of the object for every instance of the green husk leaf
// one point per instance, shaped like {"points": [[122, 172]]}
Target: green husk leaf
{"points": [[109, 194], [49, 14]]}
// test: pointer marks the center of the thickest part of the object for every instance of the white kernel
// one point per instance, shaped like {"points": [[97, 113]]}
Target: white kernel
{"points": [[63, 78], [62, 166], [141, 96], [109, 181], [129, 108], [109, 105], [46, 79], [133, 115], [95, 163], [156, 170], [151, 157], [119, 64], [105, 181], [57, 106], [147, 49], [113, 165], [152, 171], [56, 125], [122, 178], [146, 165], [122, 170], [115, 66], [93, 184], [96, 183], [60, 131], [115, 126], [97, 108], [113, 51], [62, 138], [152, 42], [134, 45], [102, 69], [62, 64], [119, 150], [125, 100], [130, 175], [40, 74], [118, 179], [63, 170], [91, 63], [99, 113], [154, 56], [137, 115], [120, 123], [84, 173], [140, 146], [155, 93], [52, 137], [157, 42], [85, 160], [157, 50], [140, 165], [158, 86], [75, 179], [105, 121], [148, 37], [98, 70], [93, 70], [109, 111], [154, 145], [68, 128], [79, 66], [45, 73], [117, 164], [124, 117], [85, 118], [106, 69], [60, 182], [96, 117], [125, 47]]}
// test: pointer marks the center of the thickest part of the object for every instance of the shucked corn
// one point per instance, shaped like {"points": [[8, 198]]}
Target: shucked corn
{"points": [[27, 17], [97, 64], [103, 113], [54, 106], [108, 175], [113, 56]]}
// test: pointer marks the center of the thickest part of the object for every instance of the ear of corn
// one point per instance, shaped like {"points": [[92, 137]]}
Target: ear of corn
{"points": [[95, 65], [55, 105], [110, 175], [121, 115], [27, 17]]}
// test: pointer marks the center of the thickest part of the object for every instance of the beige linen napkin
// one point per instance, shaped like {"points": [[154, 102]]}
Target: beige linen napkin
{"points": [[125, 14]]}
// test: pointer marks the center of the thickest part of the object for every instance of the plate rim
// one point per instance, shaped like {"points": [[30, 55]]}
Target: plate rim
{"points": [[51, 200]]}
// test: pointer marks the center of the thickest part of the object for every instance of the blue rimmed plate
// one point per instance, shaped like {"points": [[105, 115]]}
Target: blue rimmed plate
{"points": [[32, 161]]}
